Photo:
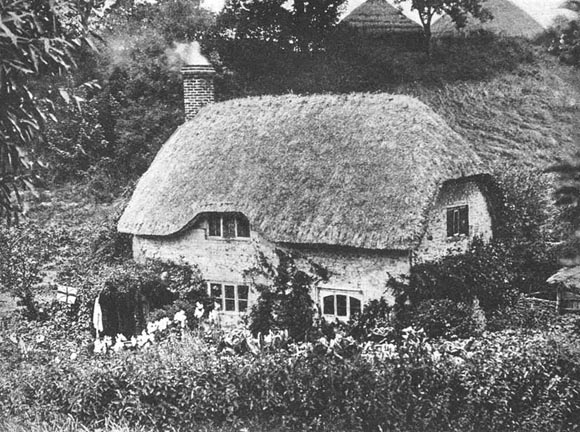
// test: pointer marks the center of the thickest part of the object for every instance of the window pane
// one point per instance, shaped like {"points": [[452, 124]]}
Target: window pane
{"points": [[216, 294], [463, 220], [354, 306], [229, 226], [328, 305], [341, 305], [215, 225], [455, 221], [243, 305], [242, 292], [243, 226], [230, 297], [449, 222]]}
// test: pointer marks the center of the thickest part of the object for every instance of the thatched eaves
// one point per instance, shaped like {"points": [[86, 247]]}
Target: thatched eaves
{"points": [[508, 20], [380, 17], [356, 170]]}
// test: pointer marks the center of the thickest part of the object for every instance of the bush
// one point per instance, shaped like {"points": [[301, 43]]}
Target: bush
{"points": [[505, 381], [131, 291], [287, 304], [374, 321]]}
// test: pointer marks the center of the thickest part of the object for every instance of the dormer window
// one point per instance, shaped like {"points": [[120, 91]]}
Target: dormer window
{"points": [[457, 220], [228, 225]]}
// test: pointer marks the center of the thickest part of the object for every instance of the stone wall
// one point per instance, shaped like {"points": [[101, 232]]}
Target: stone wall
{"points": [[435, 242]]}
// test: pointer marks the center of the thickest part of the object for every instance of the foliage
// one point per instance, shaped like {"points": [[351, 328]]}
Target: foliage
{"points": [[526, 225], [568, 196], [565, 38], [132, 290], [287, 304], [74, 143], [483, 272], [458, 11], [303, 26], [374, 321], [33, 42], [23, 251], [508, 380], [445, 318]]}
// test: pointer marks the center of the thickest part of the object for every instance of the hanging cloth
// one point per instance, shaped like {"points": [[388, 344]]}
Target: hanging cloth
{"points": [[97, 316]]}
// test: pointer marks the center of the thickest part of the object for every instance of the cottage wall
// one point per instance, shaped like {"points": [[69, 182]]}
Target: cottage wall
{"points": [[360, 273], [436, 243]]}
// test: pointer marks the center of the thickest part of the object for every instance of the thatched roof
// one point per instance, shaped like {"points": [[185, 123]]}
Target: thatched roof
{"points": [[508, 20], [356, 170], [569, 276], [380, 17]]}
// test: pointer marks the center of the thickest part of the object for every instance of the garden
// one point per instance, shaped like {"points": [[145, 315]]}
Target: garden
{"points": [[462, 349]]}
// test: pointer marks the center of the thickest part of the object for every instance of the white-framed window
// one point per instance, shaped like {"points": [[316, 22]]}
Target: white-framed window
{"points": [[228, 225], [230, 297], [340, 305]]}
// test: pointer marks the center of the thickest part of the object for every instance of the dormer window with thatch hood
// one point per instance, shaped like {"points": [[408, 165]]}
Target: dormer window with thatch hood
{"points": [[228, 226]]}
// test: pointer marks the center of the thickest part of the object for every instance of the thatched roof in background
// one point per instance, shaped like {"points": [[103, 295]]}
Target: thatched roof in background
{"points": [[568, 276], [380, 17], [508, 20], [356, 170]]}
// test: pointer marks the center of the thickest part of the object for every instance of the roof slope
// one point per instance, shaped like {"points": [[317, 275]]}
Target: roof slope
{"points": [[356, 170], [379, 16], [508, 20]]}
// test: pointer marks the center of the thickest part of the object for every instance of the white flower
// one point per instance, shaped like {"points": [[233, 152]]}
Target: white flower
{"points": [[180, 318], [73, 356], [40, 338], [152, 327], [108, 341], [217, 306], [198, 310], [163, 323], [100, 347], [119, 345]]}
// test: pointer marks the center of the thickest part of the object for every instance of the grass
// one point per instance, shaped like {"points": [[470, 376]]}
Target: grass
{"points": [[507, 96]]}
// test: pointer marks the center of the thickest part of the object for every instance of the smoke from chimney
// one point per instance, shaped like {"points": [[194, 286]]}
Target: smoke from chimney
{"points": [[183, 54]]}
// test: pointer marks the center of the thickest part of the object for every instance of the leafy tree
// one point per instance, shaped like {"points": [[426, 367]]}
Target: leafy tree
{"points": [[458, 11], [301, 26], [566, 44], [36, 39]]}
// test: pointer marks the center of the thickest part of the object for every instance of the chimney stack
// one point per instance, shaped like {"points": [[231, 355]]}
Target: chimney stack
{"points": [[198, 88]]}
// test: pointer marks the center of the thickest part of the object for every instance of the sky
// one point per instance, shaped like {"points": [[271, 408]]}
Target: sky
{"points": [[543, 11]]}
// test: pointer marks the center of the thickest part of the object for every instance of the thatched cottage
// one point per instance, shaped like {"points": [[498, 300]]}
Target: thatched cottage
{"points": [[380, 18], [361, 184], [511, 18]]}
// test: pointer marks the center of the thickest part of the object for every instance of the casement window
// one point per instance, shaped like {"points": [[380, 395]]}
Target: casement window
{"points": [[457, 220], [228, 225], [230, 297], [340, 306]]}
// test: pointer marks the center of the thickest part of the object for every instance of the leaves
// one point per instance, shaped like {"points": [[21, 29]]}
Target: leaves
{"points": [[32, 42]]}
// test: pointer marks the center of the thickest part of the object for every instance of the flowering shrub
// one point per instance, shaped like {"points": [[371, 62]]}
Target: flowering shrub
{"points": [[504, 381]]}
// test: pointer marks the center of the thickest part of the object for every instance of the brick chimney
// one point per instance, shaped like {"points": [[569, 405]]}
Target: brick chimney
{"points": [[198, 88]]}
